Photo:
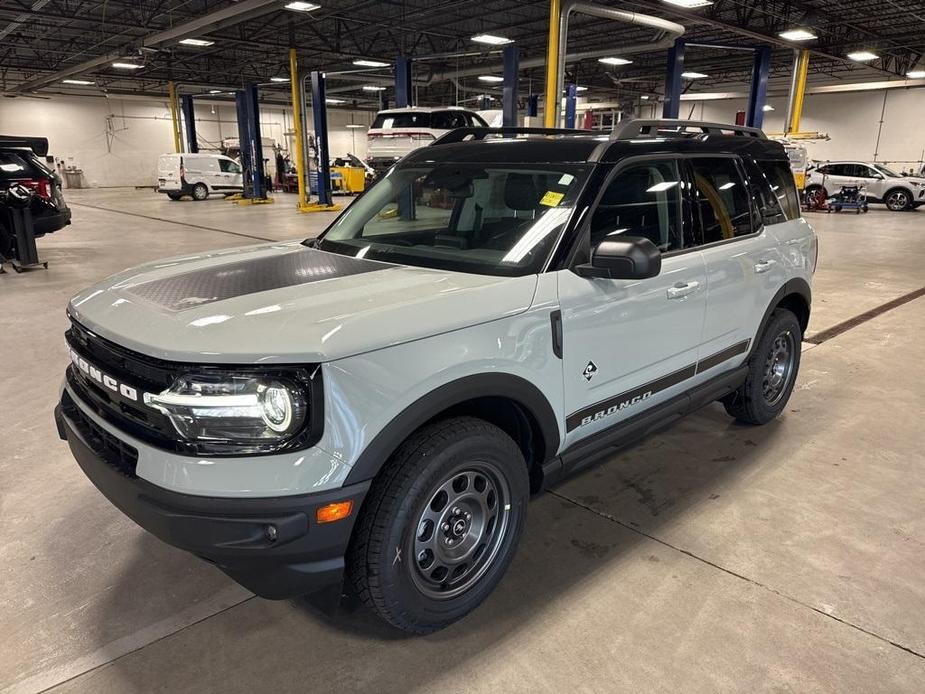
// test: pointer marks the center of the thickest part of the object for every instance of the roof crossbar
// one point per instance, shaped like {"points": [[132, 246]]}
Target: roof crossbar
{"points": [[676, 127], [480, 133]]}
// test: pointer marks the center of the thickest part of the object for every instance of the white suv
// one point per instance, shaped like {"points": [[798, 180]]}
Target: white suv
{"points": [[897, 192], [373, 408], [398, 131]]}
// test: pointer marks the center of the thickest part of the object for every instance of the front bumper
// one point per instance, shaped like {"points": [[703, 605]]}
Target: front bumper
{"points": [[232, 533]]}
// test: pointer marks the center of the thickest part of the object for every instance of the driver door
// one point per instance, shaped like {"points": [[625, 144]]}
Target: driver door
{"points": [[631, 344]]}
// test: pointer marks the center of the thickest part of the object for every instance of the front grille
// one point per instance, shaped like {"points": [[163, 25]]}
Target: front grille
{"points": [[114, 452]]}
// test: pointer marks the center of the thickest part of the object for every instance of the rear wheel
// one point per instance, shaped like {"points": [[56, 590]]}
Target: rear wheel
{"points": [[200, 191], [441, 525], [772, 371], [898, 200]]}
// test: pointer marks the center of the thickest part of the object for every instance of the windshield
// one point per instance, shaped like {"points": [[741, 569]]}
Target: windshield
{"points": [[492, 219], [886, 172]]}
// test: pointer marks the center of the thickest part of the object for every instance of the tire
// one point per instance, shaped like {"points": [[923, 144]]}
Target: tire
{"points": [[174, 196], [768, 386], [815, 195], [417, 508], [200, 191], [898, 200]]}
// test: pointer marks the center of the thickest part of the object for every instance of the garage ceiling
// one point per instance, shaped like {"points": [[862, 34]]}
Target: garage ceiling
{"points": [[42, 41]]}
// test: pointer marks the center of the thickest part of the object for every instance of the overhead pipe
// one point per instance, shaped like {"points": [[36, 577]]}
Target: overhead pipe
{"points": [[668, 32]]}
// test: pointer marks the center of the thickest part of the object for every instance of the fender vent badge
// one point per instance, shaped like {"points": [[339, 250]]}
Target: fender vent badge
{"points": [[589, 371]]}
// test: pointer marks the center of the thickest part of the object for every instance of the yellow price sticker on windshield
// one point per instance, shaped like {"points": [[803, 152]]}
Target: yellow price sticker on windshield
{"points": [[551, 199]]}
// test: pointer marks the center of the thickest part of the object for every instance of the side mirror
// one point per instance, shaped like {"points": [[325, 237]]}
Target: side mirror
{"points": [[623, 258]]}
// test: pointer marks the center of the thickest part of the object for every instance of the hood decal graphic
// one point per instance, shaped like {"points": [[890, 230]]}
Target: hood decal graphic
{"points": [[199, 287]]}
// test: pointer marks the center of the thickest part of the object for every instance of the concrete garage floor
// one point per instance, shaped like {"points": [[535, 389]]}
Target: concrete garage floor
{"points": [[712, 557]]}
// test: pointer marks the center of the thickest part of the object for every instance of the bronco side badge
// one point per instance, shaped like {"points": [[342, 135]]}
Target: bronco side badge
{"points": [[589, 371]]}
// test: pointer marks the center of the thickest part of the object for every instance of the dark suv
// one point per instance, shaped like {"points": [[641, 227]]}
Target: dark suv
{"points": [[22, 162]]}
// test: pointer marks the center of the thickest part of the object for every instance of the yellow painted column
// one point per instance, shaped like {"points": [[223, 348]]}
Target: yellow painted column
{"points": [[552, 65], [174, 116], [295, 83], [802, 73]]}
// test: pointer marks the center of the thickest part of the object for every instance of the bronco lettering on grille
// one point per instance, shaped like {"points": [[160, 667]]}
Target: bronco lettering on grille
{"points": [[105, 380]]}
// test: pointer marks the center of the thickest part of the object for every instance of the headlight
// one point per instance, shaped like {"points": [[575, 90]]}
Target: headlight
{"points": [[247, 411]]}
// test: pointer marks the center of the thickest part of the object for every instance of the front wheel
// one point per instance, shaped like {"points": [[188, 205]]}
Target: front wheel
{"points": [[772, 371], [200, 191], [441, 525], [898, 200]]}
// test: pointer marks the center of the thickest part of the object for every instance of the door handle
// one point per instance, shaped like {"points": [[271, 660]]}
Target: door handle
{"points": [[682, 289], [764, 265]]}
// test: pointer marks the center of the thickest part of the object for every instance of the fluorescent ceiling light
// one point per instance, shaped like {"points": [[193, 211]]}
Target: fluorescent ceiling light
{"points": [[644, 97], [767, 107], [491, 39], [354, 125], [334, 101], [862, 56], [693, 75], [127, 66], [490, 78], [87, 82], [279, 79], [914, 74], [689, 3], [614, 61], [215, 91], [196, 42], [797, 35], [363, 62], [302, 6], [727, 185], [372, 88]]}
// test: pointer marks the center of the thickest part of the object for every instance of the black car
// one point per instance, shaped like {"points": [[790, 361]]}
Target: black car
{"points": [[22, 161]]}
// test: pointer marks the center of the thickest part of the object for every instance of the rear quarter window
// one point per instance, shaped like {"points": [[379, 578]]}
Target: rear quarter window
{"points": [[401, 120], [780, 178]]}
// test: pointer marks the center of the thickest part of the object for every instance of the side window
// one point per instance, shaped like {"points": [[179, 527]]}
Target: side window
{"points": [[642, 200], [839, 170], [783, 187], [228, 166], [721, 199], [476, 120]]}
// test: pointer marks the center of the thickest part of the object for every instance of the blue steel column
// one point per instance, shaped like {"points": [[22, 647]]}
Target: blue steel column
{"points": [[758, 91], [509, 91], [533, 105], [404, 95], [255, 143], [240, 103], [672, 106], [320, 115], [571, 98], [189, 115]]}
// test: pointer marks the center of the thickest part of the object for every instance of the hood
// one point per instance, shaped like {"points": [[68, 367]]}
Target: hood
{"points": [[286, 303]]}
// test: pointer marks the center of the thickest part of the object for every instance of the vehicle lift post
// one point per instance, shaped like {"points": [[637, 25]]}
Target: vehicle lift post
{"points": [[174, 117], [758, 90], [320, 116], [189, 115], [509, 90], [571, 98], [295, 82], [251, 146], [404, 94]]}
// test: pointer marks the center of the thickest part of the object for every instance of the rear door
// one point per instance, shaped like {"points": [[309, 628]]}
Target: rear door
{"points": [[630, 344], [744, 266]]}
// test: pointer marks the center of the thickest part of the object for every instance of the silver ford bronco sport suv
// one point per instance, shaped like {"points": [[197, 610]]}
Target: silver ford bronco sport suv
{"points": [[372, 409]]}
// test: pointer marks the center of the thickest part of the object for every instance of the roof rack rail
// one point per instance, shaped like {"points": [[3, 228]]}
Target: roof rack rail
{"points": [[39, 145], [480, 133], [676, 127]]}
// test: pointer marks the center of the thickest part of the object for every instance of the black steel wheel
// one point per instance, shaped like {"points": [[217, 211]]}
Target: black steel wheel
{"points": [[440, 525], [772, 371], [460, 530]]}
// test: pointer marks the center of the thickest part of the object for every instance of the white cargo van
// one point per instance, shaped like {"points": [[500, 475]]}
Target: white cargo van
{"points": [[198, 175]]}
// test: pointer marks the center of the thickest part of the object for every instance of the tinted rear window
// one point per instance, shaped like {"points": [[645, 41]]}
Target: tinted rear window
{"points": [[402, 120], [780, 178], [14, 165]]}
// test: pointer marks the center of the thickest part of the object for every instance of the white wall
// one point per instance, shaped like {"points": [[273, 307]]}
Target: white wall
{"points": [[851, 119], [116, 141]]}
